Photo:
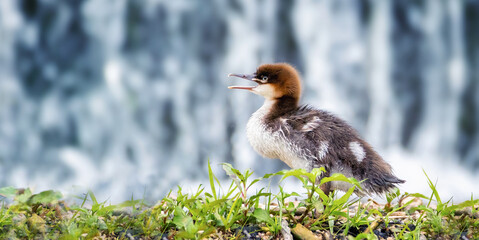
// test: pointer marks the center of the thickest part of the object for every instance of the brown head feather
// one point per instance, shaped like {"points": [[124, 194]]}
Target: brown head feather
{"points": [[283, 78]]}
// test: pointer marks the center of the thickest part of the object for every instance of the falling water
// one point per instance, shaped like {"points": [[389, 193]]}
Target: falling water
{"points": [[129, 97]]}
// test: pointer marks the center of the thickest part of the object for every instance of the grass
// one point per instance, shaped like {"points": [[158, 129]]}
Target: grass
{"points": [[233, 211]]}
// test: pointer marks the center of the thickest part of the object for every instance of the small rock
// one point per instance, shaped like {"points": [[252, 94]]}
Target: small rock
{"points": [[37, 223], [130, 236], [371, 205], [249, 232], [398, 214], [67, 215], [19, 218], [246, 234], [416, 215], [303, 233], [326, 235], [465, 211], [300, 211], [411, 227], [285, 230]]}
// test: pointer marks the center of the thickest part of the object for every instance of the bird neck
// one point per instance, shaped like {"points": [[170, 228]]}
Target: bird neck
{"points": [[279, 106]]}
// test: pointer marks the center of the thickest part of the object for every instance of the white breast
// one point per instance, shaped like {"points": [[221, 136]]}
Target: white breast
{"points": [[273, 144]]}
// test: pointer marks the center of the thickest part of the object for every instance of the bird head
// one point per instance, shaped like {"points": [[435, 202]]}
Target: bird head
{"points": [[274, 81]]}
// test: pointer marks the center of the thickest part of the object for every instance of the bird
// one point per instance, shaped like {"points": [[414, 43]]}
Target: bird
{"points": [[306, 137]]}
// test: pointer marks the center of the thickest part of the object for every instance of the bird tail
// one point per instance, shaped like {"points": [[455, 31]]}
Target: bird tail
{"points": [[382, 184]]}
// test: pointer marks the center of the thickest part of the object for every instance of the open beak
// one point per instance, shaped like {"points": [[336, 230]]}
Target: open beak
{"points": [[250, 77]]}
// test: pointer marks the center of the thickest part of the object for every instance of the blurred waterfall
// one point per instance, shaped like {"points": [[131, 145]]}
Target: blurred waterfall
{"points": [[129, 97]]}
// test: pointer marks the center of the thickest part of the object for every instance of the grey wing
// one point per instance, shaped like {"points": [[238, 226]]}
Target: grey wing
{"points": [[326, 136], [339, 148]]}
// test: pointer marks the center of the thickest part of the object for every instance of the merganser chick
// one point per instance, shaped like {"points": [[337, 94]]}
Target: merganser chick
{"points": [[305, 137]]}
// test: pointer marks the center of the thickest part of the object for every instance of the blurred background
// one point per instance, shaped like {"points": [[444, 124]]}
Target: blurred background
{"points": [[129, 97]]}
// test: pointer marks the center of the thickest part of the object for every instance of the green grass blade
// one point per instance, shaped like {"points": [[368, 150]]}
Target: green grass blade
{"points": [[92, 197], [212, 182], [433, 188]]}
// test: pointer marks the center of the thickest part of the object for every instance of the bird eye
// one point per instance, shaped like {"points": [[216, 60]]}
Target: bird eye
{"points": [[264, 79]]}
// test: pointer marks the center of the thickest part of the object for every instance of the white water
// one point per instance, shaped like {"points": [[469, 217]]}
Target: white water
{"points": [[130, 97]]}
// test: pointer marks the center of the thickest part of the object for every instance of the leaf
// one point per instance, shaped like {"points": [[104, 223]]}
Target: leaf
{"points": [[258, 195], [340, 177], [8, 192], [424, 208], [105, 210], [180, 219], [346, 196], [207, 232], [416, 195], [232, 174], [331, 223], [231, 171], [215, 203], [339, 213], [321, 194], [290, 206], [280, 173], [318, 171], [298, 173], [366, 236], [319, 206], [263, 216], [44, 197], [254, 181], [23, 197]]}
